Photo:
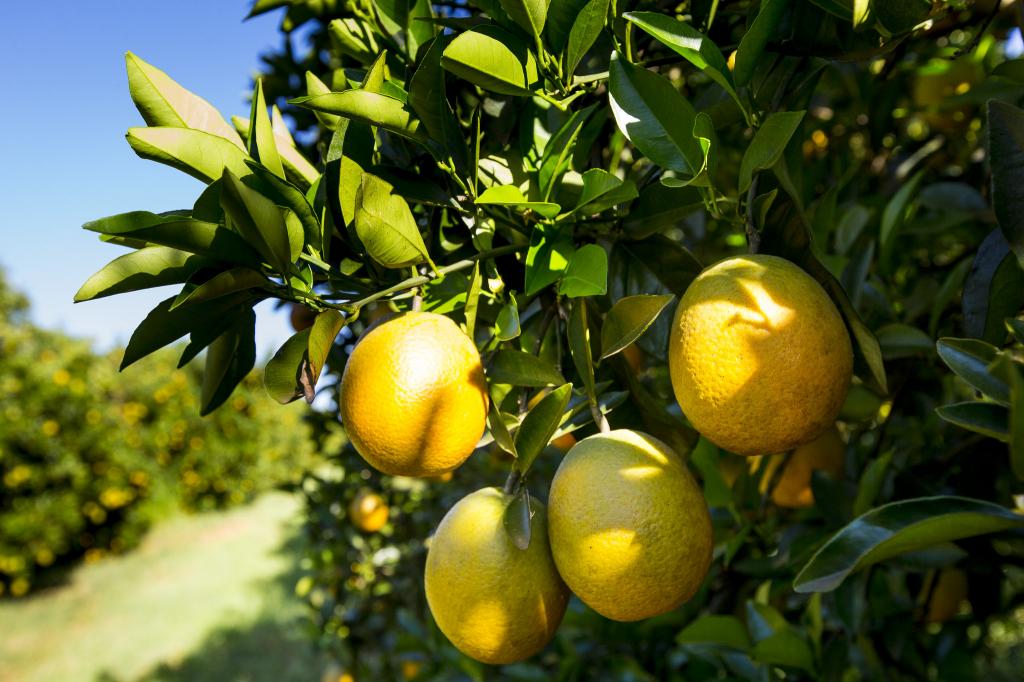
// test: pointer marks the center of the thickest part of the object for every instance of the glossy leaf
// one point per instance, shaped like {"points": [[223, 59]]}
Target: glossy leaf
{"points": [[586, 274], [547, 258], [578, 333], [262, 142], [261, 223], [539, 425], [153, 266], [785, 648], [322, 334], [284, 373], [506, 326], [1017, 420], [897, 528], [221, 284], [988, 419], [559, 150], [185, 234], [163, 102], [200, 154], [970, 360], [522, 369], [993, 290], [516, 519], [871, 483], [494, 59], [386, 226], [498, 430], [285, 194], [768, 144], [894, 216], [902, 340], [512, 196], [689, 43], [715, 630], [229, 359], [530, 15], [428, 99], [368, 107], [164, 326], [1006, 154], [587, 25], [754, 41], [653, 116], [297, 170], [628, 319]]}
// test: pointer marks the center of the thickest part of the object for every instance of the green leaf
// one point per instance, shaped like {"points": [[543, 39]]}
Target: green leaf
{"points": [[970, 359], [690, 44], [1015, 327], [989, 419], [221, 284], [753, 42], [539, 425], [723, 631], [512, 196], [901, 341], [322, 334], [596, 184], [897, 528], [315, 86], [283, 193], [785, 648], [628, 319], [1006, 155], [153, 266], [893, 217], [163, 326], [162, 102], [285, 372], [262, 145], [530, 15], [498, 429], [473, 300], [185, 234], [261, 223], [297, 170], [200, 154], [871, 483], [653, 116], [494, 59], [428, 99], [386, 226], [587, 26], [559, 150], [368, 107], [993, 290], [578, 333], [229, 359], [506, 327], [768, 144], [1017, 420], [547, 257], [516, 519], [861, 12], [522, 369], [586, 274], [354, 37]]}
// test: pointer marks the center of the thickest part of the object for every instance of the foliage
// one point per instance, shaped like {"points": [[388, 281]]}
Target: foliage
{"points": [[538, 171], [88, 458]]}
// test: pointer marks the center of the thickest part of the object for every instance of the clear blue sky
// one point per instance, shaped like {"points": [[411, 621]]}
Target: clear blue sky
{"points": [[64, 157]]}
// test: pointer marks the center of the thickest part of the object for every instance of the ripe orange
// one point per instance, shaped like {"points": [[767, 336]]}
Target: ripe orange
{"points": [[413, 397]]}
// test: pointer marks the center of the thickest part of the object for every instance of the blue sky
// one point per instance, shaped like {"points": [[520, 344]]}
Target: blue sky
{"points": [[64, 157]]}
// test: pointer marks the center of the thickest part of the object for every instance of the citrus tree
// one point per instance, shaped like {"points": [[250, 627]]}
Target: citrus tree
{"points": [[755, 265]]}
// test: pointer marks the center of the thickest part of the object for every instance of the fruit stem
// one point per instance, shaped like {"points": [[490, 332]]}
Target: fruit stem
{"points": [[599, 418], [513, 482]]}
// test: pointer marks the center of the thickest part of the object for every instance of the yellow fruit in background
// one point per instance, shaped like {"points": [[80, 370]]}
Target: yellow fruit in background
{"points": [[634, 357], [368, 511], [495, 602], [413, 397], [565, 442], [759, 356], [410, 669], [629, 526], [948, 593], [301, 317], [793, 489]]}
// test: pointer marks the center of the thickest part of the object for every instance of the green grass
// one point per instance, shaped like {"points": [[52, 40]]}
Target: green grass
{"points": [[206, 597]]}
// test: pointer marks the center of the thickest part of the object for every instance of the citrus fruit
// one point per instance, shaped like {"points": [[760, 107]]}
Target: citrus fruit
{"points": [[793, 489], [413, 398], [948, 593], [368, 511], [629, 527], [759, 356], [495, 602], [301, 317]]}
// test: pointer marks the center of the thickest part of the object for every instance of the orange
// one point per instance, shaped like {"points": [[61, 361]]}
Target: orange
{"points": [[368, 511], [793, 489], [413, 396], [759, 357]]}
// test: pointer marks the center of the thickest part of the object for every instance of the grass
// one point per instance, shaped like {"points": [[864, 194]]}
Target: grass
{"points": [[206, 597]]}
